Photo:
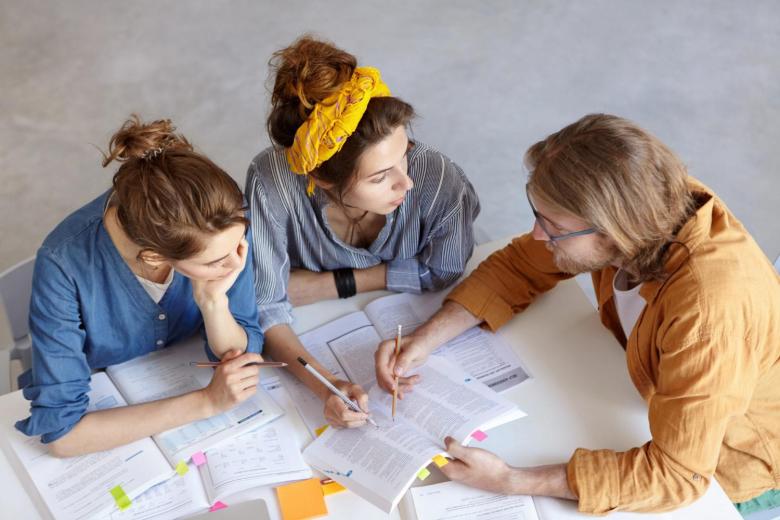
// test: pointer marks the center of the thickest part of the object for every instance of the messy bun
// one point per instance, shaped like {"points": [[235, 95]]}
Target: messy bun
{"points": [[167, 196], [137, 140], [306, 73]]}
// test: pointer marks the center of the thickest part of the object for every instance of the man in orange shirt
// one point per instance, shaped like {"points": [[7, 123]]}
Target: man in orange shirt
{"points": [[684, 289]]}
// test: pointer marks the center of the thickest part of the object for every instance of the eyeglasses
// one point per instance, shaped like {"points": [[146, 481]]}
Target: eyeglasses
{"points": [[540, 219]]}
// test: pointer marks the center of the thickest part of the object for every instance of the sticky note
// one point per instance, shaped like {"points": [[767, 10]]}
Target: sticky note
{"points": [[217, 506], [321, 429], [198, 458], [182, 468], [121, 499], [423, 474], [479, 435], [440, 460], [332, 487], [300, 500]]}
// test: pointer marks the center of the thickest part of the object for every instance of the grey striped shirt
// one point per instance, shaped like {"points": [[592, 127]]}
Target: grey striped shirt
{"points": [[425, 242]]}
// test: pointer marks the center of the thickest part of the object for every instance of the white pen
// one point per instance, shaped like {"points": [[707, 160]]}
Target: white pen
{"points": [[341, 395]]}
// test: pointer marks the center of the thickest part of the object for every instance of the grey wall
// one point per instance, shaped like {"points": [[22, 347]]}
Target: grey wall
{"points": [[487, 77]]}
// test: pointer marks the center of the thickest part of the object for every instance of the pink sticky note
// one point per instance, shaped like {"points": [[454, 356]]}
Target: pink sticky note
{"points": [[479, 435], [198, 458], [217, 506]]}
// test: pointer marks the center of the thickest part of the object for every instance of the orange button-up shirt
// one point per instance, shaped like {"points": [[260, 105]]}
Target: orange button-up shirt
{"points": [[704, 354]]}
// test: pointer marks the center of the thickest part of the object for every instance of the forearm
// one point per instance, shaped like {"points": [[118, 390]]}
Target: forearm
{"points": [[305, 287], [548, 481], [449, 321], [106, 429], [282, 344], [222, 330]]}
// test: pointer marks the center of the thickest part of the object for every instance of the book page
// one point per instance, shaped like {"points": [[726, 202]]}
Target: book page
{"points": [[352, 333], [455, 501], [78, 487], [177, 497], [264, 456], [168, 373], [485, 355]]}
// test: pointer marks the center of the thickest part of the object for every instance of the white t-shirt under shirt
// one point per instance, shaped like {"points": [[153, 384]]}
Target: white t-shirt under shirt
{"points": [[156, 290], [629, 304]]}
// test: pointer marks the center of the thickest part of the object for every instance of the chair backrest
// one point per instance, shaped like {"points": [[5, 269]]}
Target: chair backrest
{"points": [[15, 290]]}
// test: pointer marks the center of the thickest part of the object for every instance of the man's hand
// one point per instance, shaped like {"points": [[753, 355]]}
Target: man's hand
{"points": [[412, 353], [477, 468]]}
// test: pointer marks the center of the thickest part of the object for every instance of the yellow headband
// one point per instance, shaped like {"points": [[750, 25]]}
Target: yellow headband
{"points": [[332, 121]]}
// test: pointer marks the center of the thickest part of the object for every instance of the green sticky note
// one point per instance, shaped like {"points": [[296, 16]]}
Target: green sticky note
{"points": [[182, 468], [423, 474], [121, 499]]}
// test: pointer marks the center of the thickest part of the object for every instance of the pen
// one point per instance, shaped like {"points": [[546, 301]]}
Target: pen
{"points": [[347, 401], [395, 386], [204, 364]]}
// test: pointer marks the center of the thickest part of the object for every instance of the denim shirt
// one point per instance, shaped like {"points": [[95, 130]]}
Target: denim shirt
{"points": [[88, 311]]}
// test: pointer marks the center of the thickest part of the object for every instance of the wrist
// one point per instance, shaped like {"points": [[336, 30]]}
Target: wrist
{"points": [[207, 406], [210, 303]]}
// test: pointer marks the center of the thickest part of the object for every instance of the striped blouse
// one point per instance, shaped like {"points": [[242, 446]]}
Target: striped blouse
{"points": [[425, 242]]}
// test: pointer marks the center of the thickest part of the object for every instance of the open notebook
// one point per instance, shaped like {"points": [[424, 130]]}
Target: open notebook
{"points": [[380, 464], [454, 501], [93, 485], [346, 348]]}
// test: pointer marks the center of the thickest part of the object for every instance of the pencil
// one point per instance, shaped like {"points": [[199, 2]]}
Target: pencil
{"points": [[395, 386], [207, 364]]}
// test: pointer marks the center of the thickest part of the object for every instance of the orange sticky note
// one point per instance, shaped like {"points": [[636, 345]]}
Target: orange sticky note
{"points": [[301, 500], [332, 487]]}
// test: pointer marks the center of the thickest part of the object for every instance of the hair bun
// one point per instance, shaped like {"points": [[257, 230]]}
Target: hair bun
{"points": [[139, 140]]}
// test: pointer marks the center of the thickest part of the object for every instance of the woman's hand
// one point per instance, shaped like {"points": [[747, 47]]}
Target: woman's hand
{"points": [[338, 414], [233, 382], [209, 292]]}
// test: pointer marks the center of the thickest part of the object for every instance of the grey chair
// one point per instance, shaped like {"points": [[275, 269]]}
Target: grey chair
{"points": [[16, 352]]}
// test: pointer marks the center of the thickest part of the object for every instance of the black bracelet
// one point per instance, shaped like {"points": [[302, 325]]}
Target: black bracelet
{"points": [[345, 282]]}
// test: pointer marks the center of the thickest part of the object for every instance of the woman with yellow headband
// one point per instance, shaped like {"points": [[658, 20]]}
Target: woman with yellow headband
{"points": [[346, 202]]}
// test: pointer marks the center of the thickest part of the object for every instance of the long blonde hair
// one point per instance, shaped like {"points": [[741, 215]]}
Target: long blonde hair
{"points": [[619, 178]]}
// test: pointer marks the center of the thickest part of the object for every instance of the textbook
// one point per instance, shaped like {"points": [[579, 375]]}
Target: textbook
{"points": [[94, 485], [346, 347], [380, 463]]}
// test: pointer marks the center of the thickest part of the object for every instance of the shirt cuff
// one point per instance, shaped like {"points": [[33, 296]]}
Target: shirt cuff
{"points": [[483, 303], [50, 416], [403, 275], [274, 314], [593, 478]]}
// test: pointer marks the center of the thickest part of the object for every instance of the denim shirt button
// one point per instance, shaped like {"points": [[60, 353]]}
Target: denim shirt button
{"points": [[161, 317], [159, 343]]}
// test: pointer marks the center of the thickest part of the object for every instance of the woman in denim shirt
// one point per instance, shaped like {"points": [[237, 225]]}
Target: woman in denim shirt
{"points": [[162, 255]]}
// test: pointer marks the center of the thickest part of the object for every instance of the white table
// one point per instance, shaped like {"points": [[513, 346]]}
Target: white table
{"points": [[580, 396]]}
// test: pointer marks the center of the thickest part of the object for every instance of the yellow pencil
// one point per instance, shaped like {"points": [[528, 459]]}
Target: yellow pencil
{"points": [[397, 351]]}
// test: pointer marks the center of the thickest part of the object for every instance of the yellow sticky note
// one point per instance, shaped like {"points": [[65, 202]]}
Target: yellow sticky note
{"points": [[301, 500], [440, 460], [182, 468], [121, 499], [423, 474], [321, 429], [332, 487]]}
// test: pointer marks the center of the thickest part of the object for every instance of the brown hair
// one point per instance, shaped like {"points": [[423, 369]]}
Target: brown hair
{"points": [[622, 180], [166, 195], [307, 72]]}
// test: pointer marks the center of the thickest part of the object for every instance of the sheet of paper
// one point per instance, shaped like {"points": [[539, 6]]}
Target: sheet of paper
{"points": [[454, 501], [78, 487], [264, 456], [167, 373], [177, 497], [485, 355]]}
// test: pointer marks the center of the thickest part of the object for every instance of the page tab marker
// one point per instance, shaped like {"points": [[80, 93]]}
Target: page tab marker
{"points": [[182, 468], [479, 435], [121, 499], [217, 506], [440, 460], [423, 474], [321, 429], [198, 458], [332, 487]]}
